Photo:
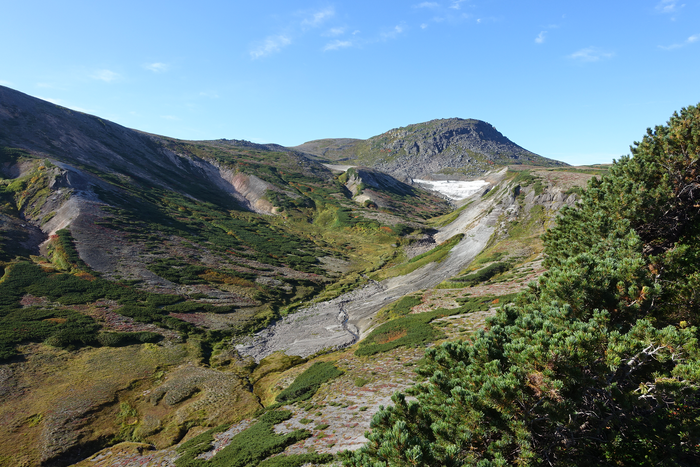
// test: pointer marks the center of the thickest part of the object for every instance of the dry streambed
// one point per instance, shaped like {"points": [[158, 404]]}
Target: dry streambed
{"points": [[342, 321], [339, 414]]}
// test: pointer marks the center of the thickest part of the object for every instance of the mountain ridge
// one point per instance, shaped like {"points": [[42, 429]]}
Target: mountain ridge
{"points": [[136, 265], [452, 148]]}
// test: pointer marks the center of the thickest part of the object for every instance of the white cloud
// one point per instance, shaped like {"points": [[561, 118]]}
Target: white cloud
{"points": [[591, 54], [423, 26], [318, 18], [338, 44], [668, 6], [49, 99], [157, 67], [333, 32], [105, 75], [271, 45], [62, 104], [427, 5], [170, 117], [688, 41], [392, 34], [540, 37], [457, 4]]}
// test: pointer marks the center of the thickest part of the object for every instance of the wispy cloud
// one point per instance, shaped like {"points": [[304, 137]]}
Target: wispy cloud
{"points": [[591, 54], [157, 67], [5, 83], [105, 75], [393, 33], [170, 117], [318, 18], [668, 6], [540, 37], [427, 5], [333, 32], [338, 44], [457, 4], [270, 46], [309, 20], [62, 103], [688, 41]]}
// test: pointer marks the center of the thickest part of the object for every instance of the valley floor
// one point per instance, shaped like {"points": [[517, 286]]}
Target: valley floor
{"points": [[339, 414]]}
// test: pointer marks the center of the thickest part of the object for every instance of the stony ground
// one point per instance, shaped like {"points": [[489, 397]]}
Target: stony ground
{"points": [[340, 413]]}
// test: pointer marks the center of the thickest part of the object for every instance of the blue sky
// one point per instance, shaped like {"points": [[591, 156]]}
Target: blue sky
{"points": [[574, 81]]}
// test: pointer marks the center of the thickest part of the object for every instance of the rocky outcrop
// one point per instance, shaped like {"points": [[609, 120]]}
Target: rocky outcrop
{"points": [[454, 149], [362, 177]]}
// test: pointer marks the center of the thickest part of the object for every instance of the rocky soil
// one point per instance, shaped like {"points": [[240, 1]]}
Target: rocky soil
{"points": [[445, 149], [344, 320]]}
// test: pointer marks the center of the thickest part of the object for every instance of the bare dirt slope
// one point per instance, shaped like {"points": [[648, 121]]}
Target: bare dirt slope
{"points": [[343, 321]]}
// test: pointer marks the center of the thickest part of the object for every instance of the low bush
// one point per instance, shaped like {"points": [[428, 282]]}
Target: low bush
{"points": [[297, 460], [246, 449], [119, 339], [414, 330], [65, 328], [307, 383], [483, 274], [408, 330]]}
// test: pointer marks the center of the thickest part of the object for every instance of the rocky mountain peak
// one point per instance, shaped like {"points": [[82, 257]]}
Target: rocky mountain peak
{"points": [[452, 148]]}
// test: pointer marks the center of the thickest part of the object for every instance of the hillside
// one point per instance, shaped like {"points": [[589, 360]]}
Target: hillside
{"points": [[157, 288], [439, 149]]}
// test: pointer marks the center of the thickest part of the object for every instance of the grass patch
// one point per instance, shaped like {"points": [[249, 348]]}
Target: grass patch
{"points": [[415, 330], [58, 326], [360, 382], [297, 460], [435, 255], [307, 383], [248, 448], [411, 330], [482, 275], [448, 218], [399, 308]]}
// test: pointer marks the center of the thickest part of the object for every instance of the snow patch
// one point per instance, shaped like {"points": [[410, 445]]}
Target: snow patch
{"points": [[453, 189]]}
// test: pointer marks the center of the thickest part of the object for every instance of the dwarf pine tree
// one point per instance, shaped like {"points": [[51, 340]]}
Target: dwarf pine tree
{"points": [[597, 363]]}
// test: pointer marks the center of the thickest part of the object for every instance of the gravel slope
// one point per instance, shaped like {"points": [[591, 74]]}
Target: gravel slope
{"points": [[344, 320]]}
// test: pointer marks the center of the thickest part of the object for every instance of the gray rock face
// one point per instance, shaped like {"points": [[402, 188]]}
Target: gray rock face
{"points": [[451, 149]]}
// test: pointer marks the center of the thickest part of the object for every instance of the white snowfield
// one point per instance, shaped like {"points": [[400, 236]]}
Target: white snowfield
{"points": [[344, 320], [453, 189]]}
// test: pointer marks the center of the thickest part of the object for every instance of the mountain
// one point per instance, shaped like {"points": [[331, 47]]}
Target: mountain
{"points": [[154, 288], [439, 149]]}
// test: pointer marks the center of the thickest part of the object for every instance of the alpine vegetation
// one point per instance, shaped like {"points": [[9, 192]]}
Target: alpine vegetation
{"points": [[595, 364]]}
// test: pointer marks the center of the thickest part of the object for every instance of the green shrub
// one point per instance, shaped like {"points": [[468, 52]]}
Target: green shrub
{"points": [[483, 274], [246, 449], [297, 460], [119, 339], [415, 330], [65, 328], [307, 383], [411, 330]]}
